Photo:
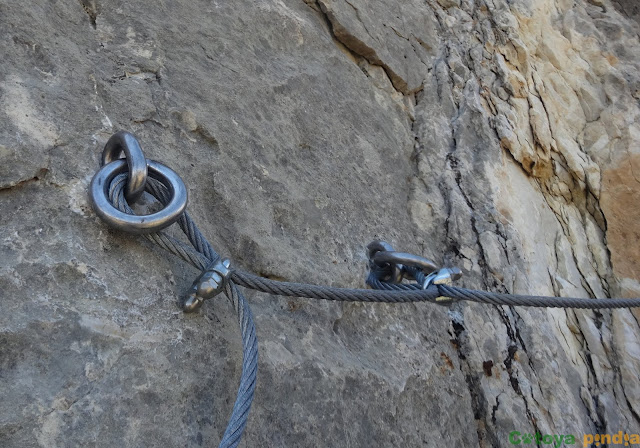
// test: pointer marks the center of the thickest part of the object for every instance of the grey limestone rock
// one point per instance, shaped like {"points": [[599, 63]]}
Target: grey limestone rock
{"points": [[498, 136]]}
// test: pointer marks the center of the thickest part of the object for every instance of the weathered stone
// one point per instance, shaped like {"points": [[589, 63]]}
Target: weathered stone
{"points": [[497, 136], [399, 36]]}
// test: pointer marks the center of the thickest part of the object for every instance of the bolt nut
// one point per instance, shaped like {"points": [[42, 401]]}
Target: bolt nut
{"points": [[192, 303]]}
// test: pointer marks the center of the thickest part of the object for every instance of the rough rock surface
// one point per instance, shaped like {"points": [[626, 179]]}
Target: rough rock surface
{"points": [[499, 136]]}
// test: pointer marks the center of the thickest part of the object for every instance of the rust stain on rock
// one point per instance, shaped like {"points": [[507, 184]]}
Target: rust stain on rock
{"points": [[620, 203]]}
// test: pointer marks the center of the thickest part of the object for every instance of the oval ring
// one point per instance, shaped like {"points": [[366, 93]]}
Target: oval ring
{"points": [[395, 270], [377, 246], [127, 142], [99, 192], [400, 258]]}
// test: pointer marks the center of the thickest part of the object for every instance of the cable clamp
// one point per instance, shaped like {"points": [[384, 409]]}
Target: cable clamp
{"points": [[444, 276], [208, 285]]}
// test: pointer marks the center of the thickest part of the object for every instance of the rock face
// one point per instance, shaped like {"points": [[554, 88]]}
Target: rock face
{"points": [[499, 136]]}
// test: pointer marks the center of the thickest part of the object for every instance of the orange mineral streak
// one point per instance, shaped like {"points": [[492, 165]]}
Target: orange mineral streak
{"points": [[620, 202]]}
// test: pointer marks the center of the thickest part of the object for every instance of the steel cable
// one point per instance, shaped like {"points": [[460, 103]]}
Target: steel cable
{"points": [[202, 255]]}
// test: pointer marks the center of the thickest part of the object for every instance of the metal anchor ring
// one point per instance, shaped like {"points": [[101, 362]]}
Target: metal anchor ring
{"points": [[376, 246], [99, 192], [395, 270], [126, 142], [405, 259]]}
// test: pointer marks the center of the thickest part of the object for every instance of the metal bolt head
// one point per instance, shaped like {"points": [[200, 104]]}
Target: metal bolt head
{"points": [[222, 267], [455, 273], [446, 276], [192, 303], [210, 285]]}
